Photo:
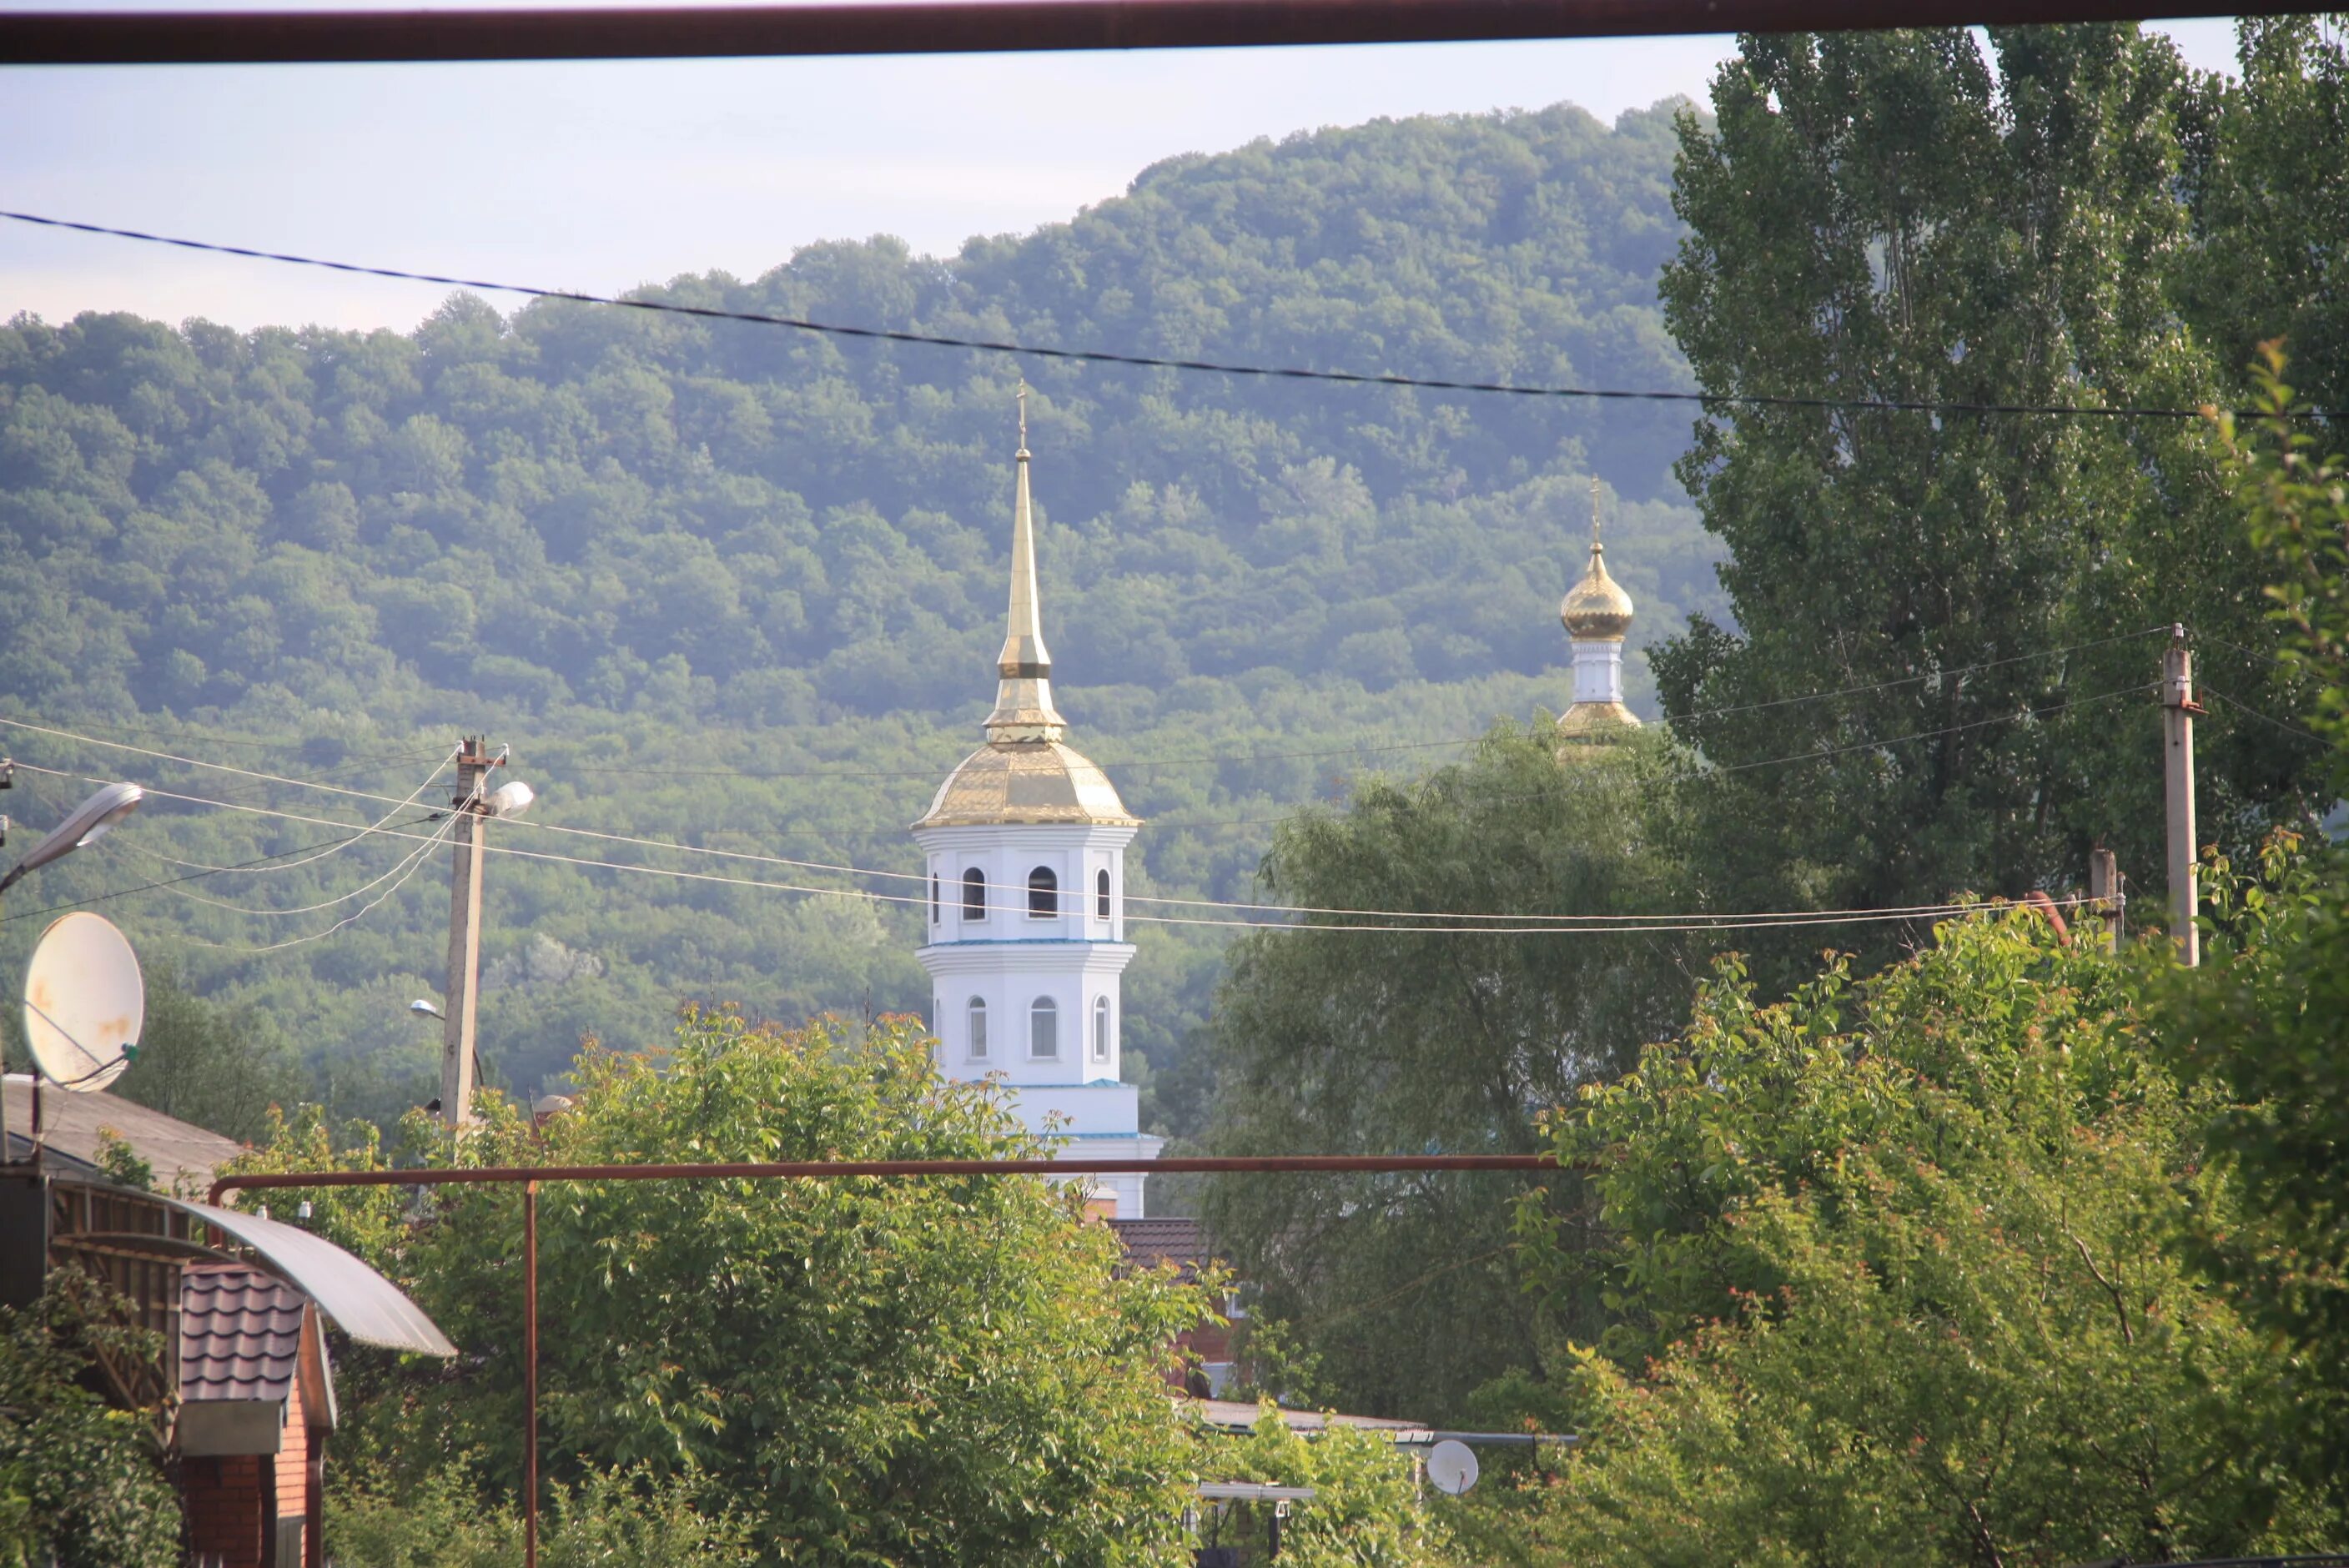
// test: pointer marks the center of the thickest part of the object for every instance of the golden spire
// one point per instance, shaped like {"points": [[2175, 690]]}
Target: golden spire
{"points": [[1023, 696]]}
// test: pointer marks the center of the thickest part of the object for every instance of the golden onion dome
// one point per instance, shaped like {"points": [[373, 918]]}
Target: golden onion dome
{"points": [[1026, 781], [1596, 608]]}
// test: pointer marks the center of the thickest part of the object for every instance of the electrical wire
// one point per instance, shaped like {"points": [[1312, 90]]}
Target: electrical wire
{"points": [[1650, 924], [1911, 680], [407, 869], [1238, 758], [215, 767], [167, 881], [289, 865], [2201, 690], [1143, 361], [1626, 923], [1826, 752]]}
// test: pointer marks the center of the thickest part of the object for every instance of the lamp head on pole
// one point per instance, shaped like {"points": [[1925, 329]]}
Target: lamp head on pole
{"points": [[88, 823]]}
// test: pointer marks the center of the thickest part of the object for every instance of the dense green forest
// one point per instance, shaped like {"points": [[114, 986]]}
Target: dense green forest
{"points": [[741, 587]]}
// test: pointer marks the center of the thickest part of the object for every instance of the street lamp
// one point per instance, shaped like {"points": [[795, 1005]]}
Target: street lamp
{"points": [[90, 821], [83, 826]]}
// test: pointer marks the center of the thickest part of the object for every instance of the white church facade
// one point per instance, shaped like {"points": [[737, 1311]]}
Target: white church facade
{"points": [[1025, 865]]}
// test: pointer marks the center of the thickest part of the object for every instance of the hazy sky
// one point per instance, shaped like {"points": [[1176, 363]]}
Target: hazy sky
{"points": [[601, 176]]}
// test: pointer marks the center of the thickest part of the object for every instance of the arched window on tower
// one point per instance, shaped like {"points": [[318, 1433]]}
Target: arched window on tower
{"points": [[977, 1030], [1044, 1029], [974, 894], [934, 898], [1101, 1029], [1043, 893], [1100, 894]]}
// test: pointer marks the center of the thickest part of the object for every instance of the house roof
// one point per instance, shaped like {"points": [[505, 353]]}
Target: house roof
{"points": [[240, 1334], [1232, 1416], [71, 1123], [1149, 1242]]}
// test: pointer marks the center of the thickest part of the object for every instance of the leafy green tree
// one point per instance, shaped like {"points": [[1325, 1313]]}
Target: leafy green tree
{"points": [[2265, 1022], [81, 1483], [605, 1521], [219, 1066], [869, 1369], [1894, 216], [2262, 159], [1366, 1507], [1896, 1275], [1384, 1040]]}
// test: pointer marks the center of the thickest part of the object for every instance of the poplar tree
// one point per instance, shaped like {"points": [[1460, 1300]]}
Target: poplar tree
{"points": [[1897, 217]]}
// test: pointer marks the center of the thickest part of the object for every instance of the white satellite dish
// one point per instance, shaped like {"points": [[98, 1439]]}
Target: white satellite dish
{"points": [[1452, 1466], [84, 1002]]}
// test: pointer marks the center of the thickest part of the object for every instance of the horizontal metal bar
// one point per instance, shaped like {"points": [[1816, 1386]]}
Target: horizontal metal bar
{"points": [[975, 26], [833, 1169], [1510, 1440]]}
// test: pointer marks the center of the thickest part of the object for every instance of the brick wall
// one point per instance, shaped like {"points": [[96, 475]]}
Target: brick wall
{"points": [[293, 1461], [224, 1506]]}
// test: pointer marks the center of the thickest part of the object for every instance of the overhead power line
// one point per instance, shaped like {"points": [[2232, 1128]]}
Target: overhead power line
{"points": [[170, 882], [2204, 688], [1638, 924], [1017, 906], [1140, 361]]}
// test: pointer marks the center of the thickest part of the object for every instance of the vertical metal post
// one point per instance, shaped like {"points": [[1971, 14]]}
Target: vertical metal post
{"points": [[462, 997], [2178, 711], [2105, 894], [530, 1374]]}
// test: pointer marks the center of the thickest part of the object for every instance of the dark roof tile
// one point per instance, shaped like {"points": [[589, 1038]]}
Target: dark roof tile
{"points": [[240, 1334]]}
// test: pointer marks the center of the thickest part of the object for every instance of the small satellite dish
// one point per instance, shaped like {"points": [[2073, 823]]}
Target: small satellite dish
{"points": [[84, 1002], [1452, 1466]]}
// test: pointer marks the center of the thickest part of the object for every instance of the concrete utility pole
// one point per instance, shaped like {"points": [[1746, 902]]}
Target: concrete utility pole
{"points": [[2105, 894], [464, 994], [2178, 711]]}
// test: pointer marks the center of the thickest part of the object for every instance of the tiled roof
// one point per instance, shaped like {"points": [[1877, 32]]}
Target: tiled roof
{"points": [[240, 1334], [70, 1124], [1149, 1242]]}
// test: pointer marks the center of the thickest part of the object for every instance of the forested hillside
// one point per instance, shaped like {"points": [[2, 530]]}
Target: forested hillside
{"points": [[742, 587]]}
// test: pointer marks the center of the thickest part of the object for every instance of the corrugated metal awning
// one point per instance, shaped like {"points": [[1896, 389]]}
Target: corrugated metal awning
{"points": [[362, 1303]]}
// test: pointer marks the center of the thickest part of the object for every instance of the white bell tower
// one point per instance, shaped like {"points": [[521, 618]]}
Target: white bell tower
{"points": [[1025, 844]]}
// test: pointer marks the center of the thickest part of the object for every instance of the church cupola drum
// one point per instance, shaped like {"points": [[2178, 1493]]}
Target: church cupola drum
{"points": [[1597, 617], [1025, 844]]}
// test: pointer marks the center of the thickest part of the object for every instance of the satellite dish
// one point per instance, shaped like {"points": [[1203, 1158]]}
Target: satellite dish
{"points": [[84, 1002], [1452, 1466]]}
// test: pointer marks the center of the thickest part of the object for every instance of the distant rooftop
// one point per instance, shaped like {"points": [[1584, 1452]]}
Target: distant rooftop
{"points": [[71, 1125]]}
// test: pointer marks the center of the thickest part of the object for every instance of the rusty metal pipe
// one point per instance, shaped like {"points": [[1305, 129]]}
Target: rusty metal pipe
{"points": [[530, 1373], [822, 1169], [974, 26]]}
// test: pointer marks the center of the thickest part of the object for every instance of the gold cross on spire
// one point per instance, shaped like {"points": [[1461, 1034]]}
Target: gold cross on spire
{"points": [[1021, 398]]}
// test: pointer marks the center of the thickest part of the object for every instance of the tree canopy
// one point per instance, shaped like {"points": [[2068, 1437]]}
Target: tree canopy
{"points": [[1985, 591], [864, 1370]]}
